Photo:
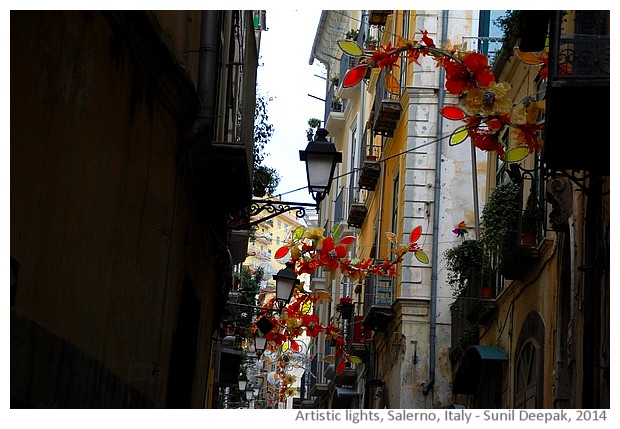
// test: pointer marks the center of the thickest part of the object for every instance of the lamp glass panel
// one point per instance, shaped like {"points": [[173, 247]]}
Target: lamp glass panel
{"points": [[259, 343], [284, 287], [319, 169], [243, 383]]}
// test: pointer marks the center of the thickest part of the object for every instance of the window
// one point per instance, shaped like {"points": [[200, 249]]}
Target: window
{"points": [[395, 190], [403, 66], [527, 377], [354, 165]]}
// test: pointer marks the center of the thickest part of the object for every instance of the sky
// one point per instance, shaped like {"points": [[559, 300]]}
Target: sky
{"points": [[285, 74]]}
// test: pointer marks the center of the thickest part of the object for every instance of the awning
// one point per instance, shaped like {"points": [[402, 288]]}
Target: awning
{"points": [[469, 369]]}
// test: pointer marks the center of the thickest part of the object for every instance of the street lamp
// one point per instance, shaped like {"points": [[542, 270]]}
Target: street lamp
{"points": [[243, 382], [260, 342], [249, 393], [286, 281], [321, 158]]}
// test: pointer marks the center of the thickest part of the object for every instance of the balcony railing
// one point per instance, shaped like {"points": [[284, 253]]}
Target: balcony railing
{"points": [[489, 46], [521, 250], [581, 57], [378, 299]]}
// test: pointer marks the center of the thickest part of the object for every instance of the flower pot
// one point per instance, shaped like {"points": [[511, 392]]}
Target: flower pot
{"points": [[346, 310], [528, 239]]}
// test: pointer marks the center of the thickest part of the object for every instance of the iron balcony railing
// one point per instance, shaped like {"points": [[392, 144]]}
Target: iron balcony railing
{"points": [[378, 292], [489, 46]]}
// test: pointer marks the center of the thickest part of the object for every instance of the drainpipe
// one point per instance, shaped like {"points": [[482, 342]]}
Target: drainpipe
{"points": [[436, 216], [207, 74]]}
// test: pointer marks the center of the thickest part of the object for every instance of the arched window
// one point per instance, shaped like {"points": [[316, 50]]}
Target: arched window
{"points": [[527, 376], [529, 371]]}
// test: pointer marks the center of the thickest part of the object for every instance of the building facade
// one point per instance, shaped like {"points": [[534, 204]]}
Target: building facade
{"points": [[543, 336], [126, 126], [398, 173], [534, 333]]}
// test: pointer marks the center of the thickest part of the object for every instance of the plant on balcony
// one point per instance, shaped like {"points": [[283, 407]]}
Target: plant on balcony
{"points": [[265, 181], [337, 104], [371, 43], [335, 79], [345, 307], [352, 34], [313, 124], [500, 217], [462, 263], [530, 219]]}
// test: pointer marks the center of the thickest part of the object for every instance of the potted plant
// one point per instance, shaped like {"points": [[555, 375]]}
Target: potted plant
{"points": [[345, 307], [265, 181], [463, 262], [336, 104], [370, 44], [500, 217], [352, 34], [335, 80], [530, 219], [313, 124]]}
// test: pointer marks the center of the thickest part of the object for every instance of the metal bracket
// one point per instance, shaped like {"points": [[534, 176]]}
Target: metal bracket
{"points": [[274, 208]]}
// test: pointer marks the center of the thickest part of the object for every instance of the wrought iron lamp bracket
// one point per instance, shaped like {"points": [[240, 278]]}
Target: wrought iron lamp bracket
{"points": [[273, 208], [578, 177]]}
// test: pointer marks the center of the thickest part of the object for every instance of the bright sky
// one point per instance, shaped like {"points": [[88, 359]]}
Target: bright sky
{"points": [[285, 74]]}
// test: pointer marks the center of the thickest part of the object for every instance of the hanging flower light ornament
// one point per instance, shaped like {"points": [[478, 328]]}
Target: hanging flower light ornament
{"points": [[307, 250], [485, 108], [461, 229]]}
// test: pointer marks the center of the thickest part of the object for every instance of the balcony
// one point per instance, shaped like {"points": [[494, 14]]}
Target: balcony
{"points": [[357, 215], [385, 119], [578, 78], [378, 303], [378, 17], [369, 175], [359, 338]]}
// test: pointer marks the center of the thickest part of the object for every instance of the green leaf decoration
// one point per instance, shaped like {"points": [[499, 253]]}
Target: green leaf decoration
{"points": [[336, 231], [299, 232], [459, 135], [516, 154], [421, 256], [351, 48], [354, 359]]}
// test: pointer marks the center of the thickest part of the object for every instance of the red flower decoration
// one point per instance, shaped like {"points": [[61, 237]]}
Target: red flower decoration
{"points": [[312, 325], [473, 72], [330, 253]]}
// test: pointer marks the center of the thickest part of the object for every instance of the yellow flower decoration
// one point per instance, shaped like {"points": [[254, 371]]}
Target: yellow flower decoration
{"points": [[291, 391], [528, 111], [489, 101], [290, 378], [293, 323], [316, 235]]}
